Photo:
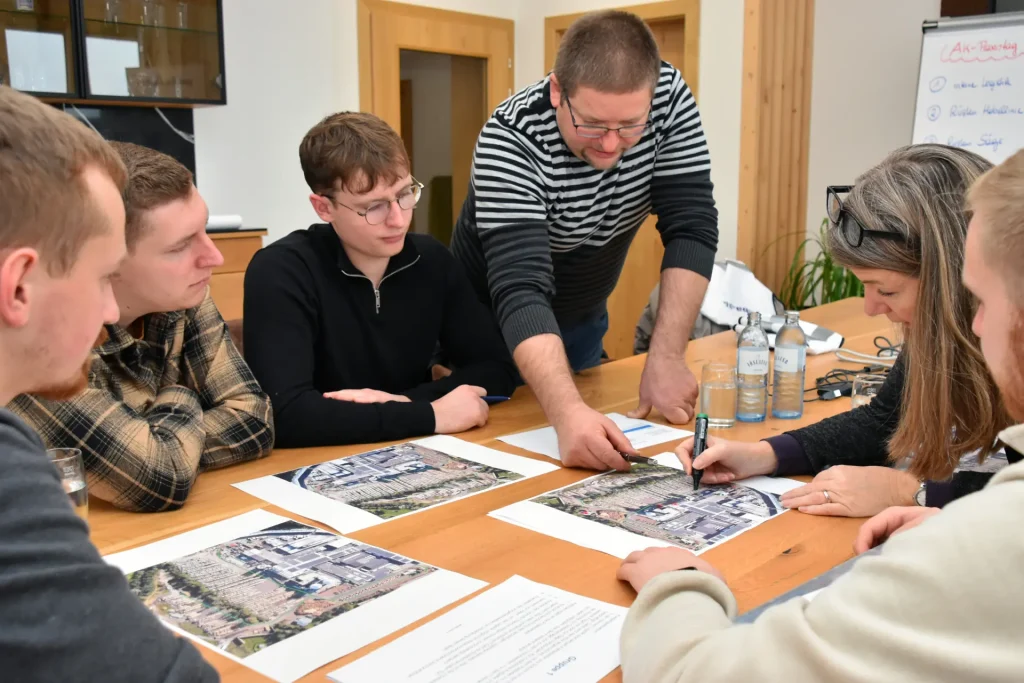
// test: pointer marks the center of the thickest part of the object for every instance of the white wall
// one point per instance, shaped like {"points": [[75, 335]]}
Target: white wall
{"points": [[287, 69], [719, 97], [863, 90], [281, 79], [287, 65], [431, 76]]}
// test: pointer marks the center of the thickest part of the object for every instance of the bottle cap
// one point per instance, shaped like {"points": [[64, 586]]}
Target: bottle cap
{"points": [[704, 415]]}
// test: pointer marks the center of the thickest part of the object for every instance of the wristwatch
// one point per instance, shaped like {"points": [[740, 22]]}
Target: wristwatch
{"points": [[921, 495]]}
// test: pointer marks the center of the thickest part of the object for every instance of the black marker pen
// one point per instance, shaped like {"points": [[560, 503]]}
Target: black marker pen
{"points": [[700, 442]]}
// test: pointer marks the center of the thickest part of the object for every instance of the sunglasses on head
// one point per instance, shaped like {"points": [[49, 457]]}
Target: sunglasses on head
{"points": [[850, 228]]}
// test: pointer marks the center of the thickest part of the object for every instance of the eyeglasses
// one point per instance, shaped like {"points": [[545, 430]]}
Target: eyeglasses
{"points": [[377, 212], [850, 228], [595, 132]]}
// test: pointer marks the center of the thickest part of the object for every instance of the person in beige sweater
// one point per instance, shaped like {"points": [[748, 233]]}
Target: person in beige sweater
{"points": [[940, 603]]}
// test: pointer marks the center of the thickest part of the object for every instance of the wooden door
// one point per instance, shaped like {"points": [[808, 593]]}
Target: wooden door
{"points": [[470, 112], [385, 28], [676, 27]]}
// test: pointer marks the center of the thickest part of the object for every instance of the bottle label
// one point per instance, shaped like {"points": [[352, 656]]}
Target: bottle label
{"points": [[752, 361], [789, 359]]}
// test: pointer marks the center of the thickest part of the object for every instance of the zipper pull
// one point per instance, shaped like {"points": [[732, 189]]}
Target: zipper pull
{"points": [[376, 296]]}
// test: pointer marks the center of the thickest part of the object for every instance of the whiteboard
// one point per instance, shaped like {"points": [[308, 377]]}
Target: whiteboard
{"points": [[970, 91]]}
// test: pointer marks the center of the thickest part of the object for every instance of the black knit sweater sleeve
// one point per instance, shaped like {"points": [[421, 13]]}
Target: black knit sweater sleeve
{"points": [[856, 437]]}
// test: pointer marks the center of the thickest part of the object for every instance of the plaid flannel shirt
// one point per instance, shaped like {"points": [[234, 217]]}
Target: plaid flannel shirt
{"points": [[159, 410]]}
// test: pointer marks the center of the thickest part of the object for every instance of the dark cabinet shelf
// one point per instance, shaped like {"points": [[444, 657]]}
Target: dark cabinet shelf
{"points": [[148, 52]]}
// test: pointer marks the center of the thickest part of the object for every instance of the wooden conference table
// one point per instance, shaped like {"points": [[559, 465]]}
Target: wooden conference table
{"points": [[758, 565]]}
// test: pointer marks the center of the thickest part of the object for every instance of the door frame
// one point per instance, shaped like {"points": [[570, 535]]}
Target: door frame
{"points": [[687, 10], [500, 76]]}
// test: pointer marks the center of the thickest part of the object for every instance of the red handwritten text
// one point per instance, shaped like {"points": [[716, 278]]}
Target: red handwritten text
{"points": [[980, 51]]}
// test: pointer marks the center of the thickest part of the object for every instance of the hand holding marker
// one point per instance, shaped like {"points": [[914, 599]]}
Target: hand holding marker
{"points": [[700, 442], [638, 459]]}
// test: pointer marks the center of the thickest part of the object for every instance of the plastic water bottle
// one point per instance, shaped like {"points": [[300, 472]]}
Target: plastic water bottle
{"points": [[752, 372], [790, 360]]}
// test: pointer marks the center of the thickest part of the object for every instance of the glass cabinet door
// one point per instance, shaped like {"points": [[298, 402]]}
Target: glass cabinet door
{"points": [[36, 53], [153, 49]]}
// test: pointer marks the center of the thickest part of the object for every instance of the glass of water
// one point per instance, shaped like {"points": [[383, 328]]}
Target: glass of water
{"points": [[718, 394], [71, 470], [865, 388]]}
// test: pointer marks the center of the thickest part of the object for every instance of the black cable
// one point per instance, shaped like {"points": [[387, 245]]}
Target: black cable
{"points": [[886, 349]]}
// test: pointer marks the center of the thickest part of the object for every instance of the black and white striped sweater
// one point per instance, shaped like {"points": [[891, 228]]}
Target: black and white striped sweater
{"points": [[543, 235]]}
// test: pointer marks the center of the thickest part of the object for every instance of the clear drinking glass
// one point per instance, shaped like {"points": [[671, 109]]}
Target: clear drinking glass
{"points": [[71, 470], [865, 388], [718, 394]]}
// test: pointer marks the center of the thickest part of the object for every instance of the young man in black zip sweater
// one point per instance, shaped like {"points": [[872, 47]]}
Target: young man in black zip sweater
{"points": [[342, 319]]}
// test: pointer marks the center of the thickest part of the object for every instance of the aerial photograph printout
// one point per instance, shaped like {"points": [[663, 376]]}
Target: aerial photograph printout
{"points": [[363, 490], [280, 581], [260, 589], [619, 512]]}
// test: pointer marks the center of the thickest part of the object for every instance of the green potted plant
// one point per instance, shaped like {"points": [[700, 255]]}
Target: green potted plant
{"points": [[819, 280]]}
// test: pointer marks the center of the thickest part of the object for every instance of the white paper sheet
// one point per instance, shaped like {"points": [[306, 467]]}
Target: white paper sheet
{"points": [[641, 433], [109, 59], [517, 632], [251, 562], [643, 509], [36, 60], [371, 488]]}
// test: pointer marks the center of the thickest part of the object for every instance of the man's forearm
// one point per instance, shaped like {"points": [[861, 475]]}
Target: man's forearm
{"points": [[544, 366], [682, 293]]}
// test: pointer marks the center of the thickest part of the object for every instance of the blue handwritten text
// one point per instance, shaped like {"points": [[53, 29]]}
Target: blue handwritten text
{"points": [[1003, 82], [1005, 109], [993, 141]]}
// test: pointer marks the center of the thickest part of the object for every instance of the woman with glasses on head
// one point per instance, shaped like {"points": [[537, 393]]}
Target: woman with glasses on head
{"points": [[901, 230]]}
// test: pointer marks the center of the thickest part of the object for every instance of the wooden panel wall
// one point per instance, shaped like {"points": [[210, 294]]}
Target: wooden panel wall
{"points": [[778, 43]]}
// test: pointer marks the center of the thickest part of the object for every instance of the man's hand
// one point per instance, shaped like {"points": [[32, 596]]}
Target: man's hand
{"points": [[643, 565], [586, 438], [886, 524], [365, 396], [724, 461], [853, 491], [460, 409], [668, 386]]}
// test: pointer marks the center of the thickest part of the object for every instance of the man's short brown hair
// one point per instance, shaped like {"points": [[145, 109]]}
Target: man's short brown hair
{"points": [[154, 179], [353, 151], [44, 203], [610, 51]]}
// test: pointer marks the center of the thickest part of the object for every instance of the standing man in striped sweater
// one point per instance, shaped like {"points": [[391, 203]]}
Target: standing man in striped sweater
{"points": [[564, 174]]}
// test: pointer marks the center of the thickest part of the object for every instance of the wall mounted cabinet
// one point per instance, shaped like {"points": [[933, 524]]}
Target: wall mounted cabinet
{"points": [[139, 52]]}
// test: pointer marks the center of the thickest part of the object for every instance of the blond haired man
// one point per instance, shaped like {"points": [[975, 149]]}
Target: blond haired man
{"points": [[65, 615]]}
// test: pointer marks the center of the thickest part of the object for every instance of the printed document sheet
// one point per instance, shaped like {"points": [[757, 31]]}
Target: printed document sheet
{"points": [[517, 632], [641, 433]]}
